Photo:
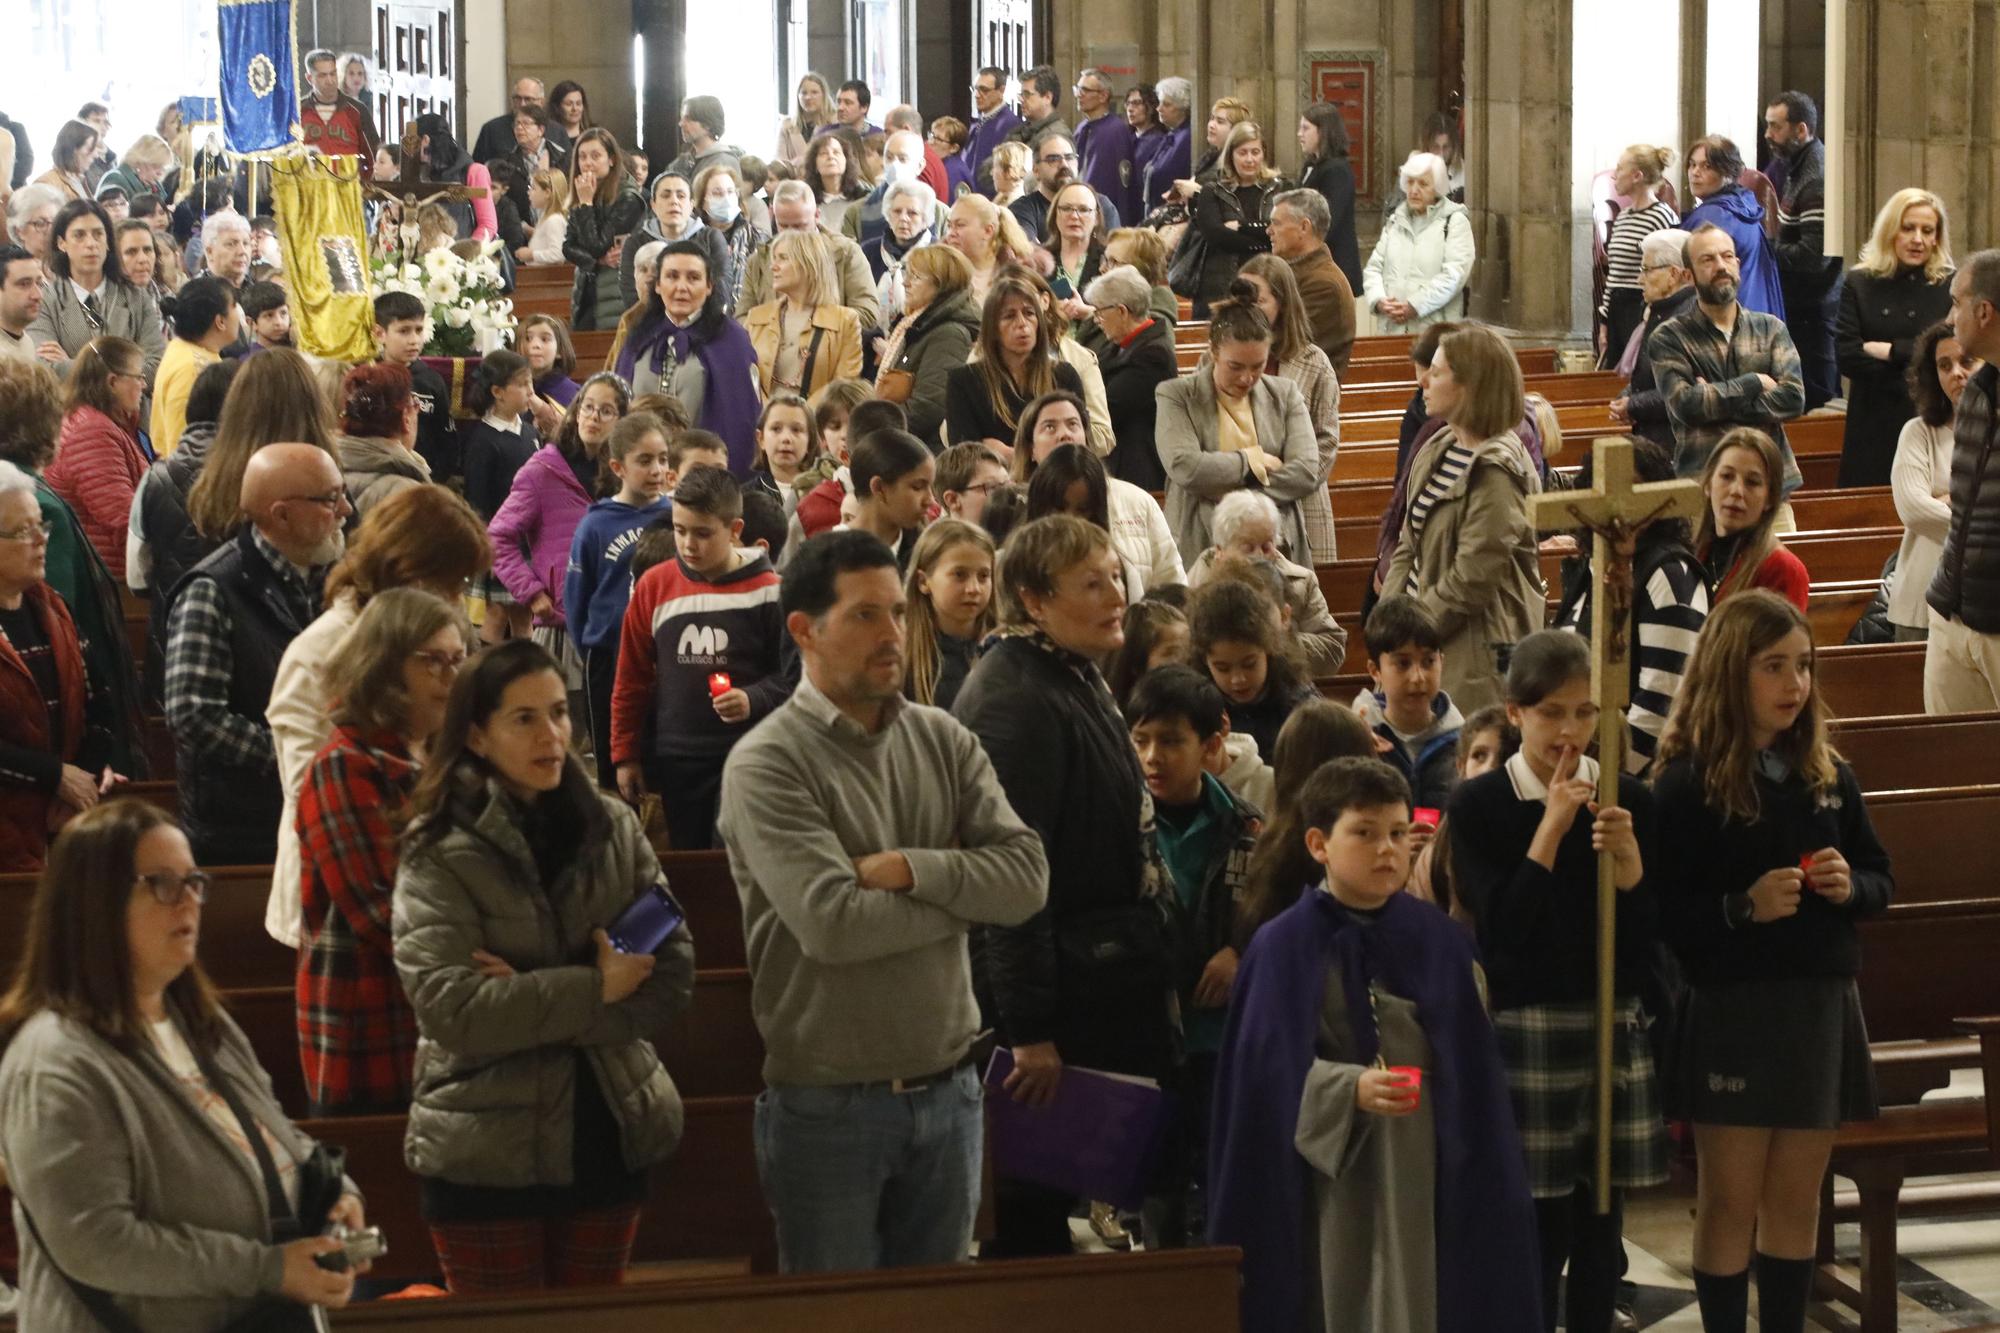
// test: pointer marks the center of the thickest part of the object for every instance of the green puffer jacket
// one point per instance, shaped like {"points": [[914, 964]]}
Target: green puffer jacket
{"points": [[496, 1061]]}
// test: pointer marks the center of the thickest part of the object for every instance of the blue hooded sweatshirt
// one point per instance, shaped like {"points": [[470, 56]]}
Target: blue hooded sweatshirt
{"points": [[598, 583], [1736, 211]]}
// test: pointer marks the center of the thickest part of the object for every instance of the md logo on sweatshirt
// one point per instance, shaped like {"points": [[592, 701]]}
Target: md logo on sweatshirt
{"points": [[702, 643]]}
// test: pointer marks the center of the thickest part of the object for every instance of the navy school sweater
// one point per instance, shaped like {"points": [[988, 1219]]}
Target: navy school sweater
{"points": [[598, 584], [680, 629], [437, 433]]}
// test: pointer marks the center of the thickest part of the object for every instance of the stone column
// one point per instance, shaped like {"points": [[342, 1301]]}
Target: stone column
{"points": [[1517, 151]]}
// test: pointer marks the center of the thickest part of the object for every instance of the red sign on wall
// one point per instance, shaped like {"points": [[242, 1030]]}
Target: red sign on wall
{"points": [[1350, 83]]}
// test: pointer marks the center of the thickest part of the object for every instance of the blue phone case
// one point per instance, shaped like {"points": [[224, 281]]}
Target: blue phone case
{"points": [[644, 926]]}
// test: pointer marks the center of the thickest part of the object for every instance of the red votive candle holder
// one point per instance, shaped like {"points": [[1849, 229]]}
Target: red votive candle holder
{"points": [[1412, 1077], [718, 684]]}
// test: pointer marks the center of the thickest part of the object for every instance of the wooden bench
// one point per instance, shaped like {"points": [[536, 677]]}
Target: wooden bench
{"points": [[1176, 1291], [1595, 386], [1907, 751], [1872, 680]]}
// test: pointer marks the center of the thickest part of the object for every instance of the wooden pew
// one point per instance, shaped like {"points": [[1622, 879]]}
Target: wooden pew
{"points": [[1177, 1291], [1909, 751], [1596, 386], [1872, 680]]}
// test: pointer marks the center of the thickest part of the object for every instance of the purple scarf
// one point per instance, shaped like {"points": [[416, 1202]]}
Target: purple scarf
{"points": [[729, 405], [1487, 1275]]}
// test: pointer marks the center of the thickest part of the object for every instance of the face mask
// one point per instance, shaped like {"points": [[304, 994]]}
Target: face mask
{"points": [[894, 173], [725, 210]]}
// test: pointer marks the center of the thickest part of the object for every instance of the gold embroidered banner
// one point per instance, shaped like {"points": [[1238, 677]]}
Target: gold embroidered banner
{"points": [[325, 240]]}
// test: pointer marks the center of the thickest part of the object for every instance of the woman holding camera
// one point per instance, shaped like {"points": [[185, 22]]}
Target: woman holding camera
{"points": [[159, 1179]]}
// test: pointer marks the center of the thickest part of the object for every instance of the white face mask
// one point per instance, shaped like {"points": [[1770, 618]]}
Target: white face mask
{"points": [[725, 210], [894, 172]]}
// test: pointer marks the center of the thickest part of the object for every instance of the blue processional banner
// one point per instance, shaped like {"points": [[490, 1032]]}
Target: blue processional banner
{"points": [[260, 95]]}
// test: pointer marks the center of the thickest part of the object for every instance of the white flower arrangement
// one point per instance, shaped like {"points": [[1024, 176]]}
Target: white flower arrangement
{"points": [[466, 313]]}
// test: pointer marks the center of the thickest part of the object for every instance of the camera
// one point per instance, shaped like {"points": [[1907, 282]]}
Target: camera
{"points": [[356, 1248]]}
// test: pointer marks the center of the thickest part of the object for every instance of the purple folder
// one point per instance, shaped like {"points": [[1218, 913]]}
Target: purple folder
{"points": [[1098, 1140]]}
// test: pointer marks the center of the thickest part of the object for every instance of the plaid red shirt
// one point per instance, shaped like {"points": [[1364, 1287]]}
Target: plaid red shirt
{"points": [[357, 1031]]}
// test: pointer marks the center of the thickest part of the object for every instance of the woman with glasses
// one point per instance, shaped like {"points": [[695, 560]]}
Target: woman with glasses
{"points": [[55, 718], [389, 685], [140, 1133], [425, 538]]}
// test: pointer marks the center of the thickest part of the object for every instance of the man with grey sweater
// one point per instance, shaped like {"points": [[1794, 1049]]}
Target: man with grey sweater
{"points": [[866, 836]]}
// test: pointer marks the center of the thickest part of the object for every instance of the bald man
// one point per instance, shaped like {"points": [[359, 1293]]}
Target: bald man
{"points": [[232, 617], [902, 160]]}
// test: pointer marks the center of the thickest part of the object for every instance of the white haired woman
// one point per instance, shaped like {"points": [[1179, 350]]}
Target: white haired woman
{"points": [[908, 207], [1245, 528], [1424, 258]]}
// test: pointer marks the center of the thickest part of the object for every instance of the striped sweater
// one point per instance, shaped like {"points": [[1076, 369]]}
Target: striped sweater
{"points": [[1622, 258], [1669, 606]]}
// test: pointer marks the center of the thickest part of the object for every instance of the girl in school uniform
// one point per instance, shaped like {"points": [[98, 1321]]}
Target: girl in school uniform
{"points": [[1767, 862], [1524, 848]]}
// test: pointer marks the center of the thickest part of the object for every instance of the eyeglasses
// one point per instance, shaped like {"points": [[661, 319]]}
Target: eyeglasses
{"points": [[168, 890], [440, 664], [982, 488], [1050, 159], [28, 532], [37, 224], [332, 499], [594, 410], [1076, 210]]}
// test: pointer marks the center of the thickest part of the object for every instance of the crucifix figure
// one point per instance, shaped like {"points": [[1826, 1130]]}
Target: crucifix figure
{"points": [[408, 183], [1615, 511]]}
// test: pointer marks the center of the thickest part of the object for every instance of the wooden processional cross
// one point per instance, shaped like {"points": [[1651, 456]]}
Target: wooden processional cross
{"points": [[409, 188], [1615, 511]]}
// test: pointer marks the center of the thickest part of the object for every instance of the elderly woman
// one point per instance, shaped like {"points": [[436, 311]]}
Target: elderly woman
{"points": [[804, 338], [686, 346], [143, 169], [1246, 529], [673, 218], [1467, 548], [90, 295], [1669, 290], [425, 538], [31, 408], [112, 1031], [1901, 286], [1146, 250], [1234, 426], [908, 209], [987, 235], [1088, 980], [1920, 479], [513, 866], [1267, 282], [1232, 213], [1135, 356], [223, 248], [1016, 361], [378, 436], [718, 199], [1076, 247], [387, 689], [1715, 169], [31, 215], [1137, 527], [102, 453], [645, 280], [1423, 259], [56, 726], [933, 338]]}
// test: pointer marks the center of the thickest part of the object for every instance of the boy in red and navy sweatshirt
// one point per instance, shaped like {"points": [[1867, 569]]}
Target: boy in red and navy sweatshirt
{"points": [[702, 657]]}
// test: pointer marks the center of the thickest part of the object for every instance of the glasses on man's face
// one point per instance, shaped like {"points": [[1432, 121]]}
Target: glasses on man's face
{"points": [[27, 532], [168, 890], [440, 664], [1051, 159], [602, 411], [331, 500]]}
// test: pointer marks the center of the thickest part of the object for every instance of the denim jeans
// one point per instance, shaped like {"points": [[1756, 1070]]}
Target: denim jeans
{"points": [[861, 1177]]}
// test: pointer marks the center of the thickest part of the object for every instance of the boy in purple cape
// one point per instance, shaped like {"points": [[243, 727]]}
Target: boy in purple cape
{"points": [[1366, 1199]]}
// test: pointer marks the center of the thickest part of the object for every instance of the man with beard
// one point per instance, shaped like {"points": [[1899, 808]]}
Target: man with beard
{"points": [[867, 835], [233, 616], [1809, 277], [1720, 366]]}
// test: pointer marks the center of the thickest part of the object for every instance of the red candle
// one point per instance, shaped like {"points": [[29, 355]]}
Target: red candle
{"points": [[1412, 1077], [718, 684], [1425, 814]]}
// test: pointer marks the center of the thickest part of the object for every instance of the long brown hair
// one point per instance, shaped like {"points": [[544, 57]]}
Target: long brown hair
{"points": [[1015, 284], [920, 623], [1318, 730], [422, 535], [75, 959], [364, 681], [90, 377], [1710, 721], [1762, 538], [1291, 332], [274, 399], [613, 183]]}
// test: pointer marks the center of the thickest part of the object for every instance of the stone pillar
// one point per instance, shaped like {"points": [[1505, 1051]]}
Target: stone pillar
{"points": [[1517, 152]]}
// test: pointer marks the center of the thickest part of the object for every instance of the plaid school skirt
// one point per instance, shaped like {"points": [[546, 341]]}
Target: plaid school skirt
{"points": [[1551, 1055]]}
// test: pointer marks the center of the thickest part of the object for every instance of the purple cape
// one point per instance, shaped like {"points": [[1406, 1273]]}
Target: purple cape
{"points": [[1488, 1277], [729, 405]]}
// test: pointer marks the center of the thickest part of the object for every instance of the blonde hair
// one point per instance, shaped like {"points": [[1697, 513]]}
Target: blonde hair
{"points": [[1878, 256], [1711, 724], [1763, 537], [1232, 109], [1484, 365], [945, 268], [1652, 162], [557, 186], [809, 250], [1013, 155], [920, 623], [1010, 243], [1239, 134], [1145, 250], [149, 150]]}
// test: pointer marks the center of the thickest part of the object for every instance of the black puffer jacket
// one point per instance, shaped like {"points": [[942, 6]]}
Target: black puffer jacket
{"points": [[1967, 582], [1093, 970]]}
